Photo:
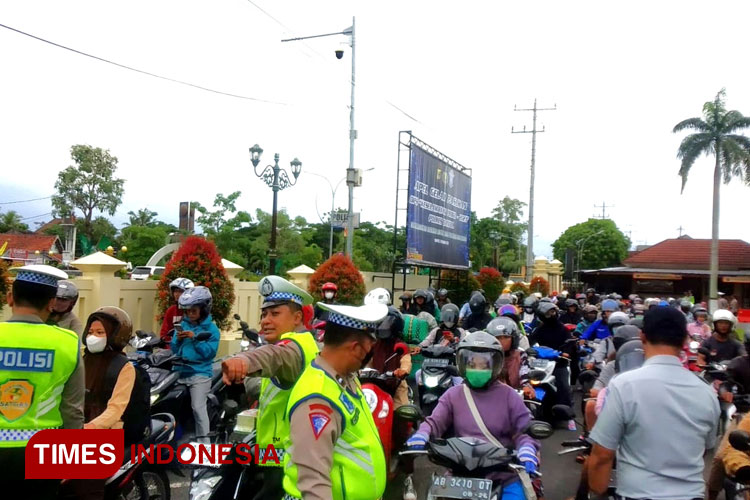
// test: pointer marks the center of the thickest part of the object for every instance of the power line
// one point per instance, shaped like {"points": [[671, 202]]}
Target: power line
{"points": [[24, 201], [173, 80], [37, 216]]}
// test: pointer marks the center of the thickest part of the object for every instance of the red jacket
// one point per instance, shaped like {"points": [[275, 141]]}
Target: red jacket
{"points": [[168, 323]]}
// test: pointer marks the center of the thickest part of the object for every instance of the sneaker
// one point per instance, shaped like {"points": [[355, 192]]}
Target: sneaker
{"points": [[409, 492], [571, 425]]}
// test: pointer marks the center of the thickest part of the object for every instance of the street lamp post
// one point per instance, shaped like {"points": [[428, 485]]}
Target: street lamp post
{"points": [[277, 179], [580, 244], [330, 215], [350, 172]]}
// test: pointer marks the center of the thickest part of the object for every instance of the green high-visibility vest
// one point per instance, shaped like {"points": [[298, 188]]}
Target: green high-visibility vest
{"points": [[271, 426], [36, 361], [358, 471]]}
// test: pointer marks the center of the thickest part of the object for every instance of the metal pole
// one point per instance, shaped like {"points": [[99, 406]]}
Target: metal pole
{"points": [[350, 170], [530, 239], [275, 187], [330, 219]]}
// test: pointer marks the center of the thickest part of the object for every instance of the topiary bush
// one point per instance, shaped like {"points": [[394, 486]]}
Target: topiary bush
{"points": [[197, 259], [539, 284], [492, 282], [341, 270], [460, 285], [4, 282]]}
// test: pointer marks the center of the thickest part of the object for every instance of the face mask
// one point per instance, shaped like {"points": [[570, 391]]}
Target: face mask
{"points": [[96, 344], [328, 295], [367, 357], [478, 378]]}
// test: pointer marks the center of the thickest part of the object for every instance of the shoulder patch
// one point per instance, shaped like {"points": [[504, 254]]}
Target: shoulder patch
{"points": [[318, 422]]}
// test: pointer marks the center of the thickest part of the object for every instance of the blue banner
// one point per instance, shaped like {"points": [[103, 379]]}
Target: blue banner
{"points": [[438, 214]]}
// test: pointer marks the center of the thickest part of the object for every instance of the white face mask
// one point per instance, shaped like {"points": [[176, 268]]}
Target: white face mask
{"points": [[328, 295], [96, 344]]}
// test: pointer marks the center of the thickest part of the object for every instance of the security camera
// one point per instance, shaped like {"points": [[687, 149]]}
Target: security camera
{"points": [[339, 54]]}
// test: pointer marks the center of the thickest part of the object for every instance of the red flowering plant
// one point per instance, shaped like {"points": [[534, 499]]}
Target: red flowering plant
{"points": [[339, 269], [492, 282], [198, 260], [539, 284]]}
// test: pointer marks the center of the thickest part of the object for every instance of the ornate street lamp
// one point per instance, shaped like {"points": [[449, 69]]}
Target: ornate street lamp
{"points": [[277, 179]]}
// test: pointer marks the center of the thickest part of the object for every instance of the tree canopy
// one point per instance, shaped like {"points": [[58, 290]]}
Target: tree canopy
{"points": [[11, 222], [502, 231], [596, 243]]}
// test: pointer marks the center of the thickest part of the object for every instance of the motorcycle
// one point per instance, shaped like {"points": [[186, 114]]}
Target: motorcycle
{"points": [[250, 336], [543, 361], [470, 460], [379, 389], [141, 479], [582, 447], [436, 377]]}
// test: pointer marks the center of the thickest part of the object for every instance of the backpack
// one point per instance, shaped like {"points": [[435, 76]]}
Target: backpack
{"points": [[136, 418]]}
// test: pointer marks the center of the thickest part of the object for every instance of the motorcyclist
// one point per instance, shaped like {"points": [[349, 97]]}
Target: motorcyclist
{"points": [[606, 348], [571, 316], [599, 329], [516, 369], [699, 327], [551, 333], [447, 333], [480, 362], [479, 316], [529, 311], [441, 298], [176, 288], [465, 310], [686, 308], [389, 332], [329, 291], [62, 310], [423, 303], [721, 345], [378, 296], [406, 304], [590, 314], [511, 312], [581, 299], [592, 297]]}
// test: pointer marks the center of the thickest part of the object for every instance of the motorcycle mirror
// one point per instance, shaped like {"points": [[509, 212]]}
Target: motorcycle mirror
{"points": [[587, 376], [251, 334], [230, 407], [740, 440], [203, 336], [141, 334], [410, 413], [539, 429], [537, 375], [562, 412], [401, 348], [236, 316]]}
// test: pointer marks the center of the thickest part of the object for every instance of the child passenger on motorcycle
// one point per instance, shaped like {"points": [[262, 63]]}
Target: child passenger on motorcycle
{"points": [[480, 363]]}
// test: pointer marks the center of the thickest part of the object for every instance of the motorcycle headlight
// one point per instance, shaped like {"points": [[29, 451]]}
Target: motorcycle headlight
{"points": [[154, 398], [384, 410], [431, 380], [370, 398], [202, 489]]}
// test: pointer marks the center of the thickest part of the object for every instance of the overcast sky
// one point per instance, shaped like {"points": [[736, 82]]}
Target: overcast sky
{"points": [[622, 74]]}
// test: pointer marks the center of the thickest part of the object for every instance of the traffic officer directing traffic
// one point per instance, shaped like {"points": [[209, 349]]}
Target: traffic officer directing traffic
{"points": [[291, 349], [333, 447], [41, 376]]}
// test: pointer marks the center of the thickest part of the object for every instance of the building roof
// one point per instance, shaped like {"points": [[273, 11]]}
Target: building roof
{"points": [[685, 253], [652, 270], [28, 244], [55, 222]]}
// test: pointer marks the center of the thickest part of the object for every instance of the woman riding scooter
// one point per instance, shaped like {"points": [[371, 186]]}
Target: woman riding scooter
{"points": [[501, 409]]}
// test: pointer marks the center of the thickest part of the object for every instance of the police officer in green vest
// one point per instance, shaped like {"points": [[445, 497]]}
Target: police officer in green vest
{"points": [[333, 447], [290, 350], [41, 376]]}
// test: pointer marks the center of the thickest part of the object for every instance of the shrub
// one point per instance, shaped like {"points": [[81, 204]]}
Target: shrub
{"points": [[539, 284], [492, 282], [460, 284], [520, 287], [198, 260], [341, 270], [4, 282]]}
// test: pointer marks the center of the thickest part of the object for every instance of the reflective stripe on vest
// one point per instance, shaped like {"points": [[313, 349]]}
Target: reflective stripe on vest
{"points": [[358, 471], [36, 361], [271, 425]]}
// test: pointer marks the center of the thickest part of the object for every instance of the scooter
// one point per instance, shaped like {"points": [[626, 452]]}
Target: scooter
{"points": [[438, 370], [379, 389], [470, 460], [141, 479], [543, 361], [582, 447]]}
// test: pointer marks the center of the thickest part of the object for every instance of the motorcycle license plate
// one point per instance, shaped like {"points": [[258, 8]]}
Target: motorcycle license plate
{"points": [[538, 363], [461, 487], [539, 393], [437, 362]]}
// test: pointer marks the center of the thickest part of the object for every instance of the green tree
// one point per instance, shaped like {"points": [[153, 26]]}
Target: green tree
{"points": [[4, 281], [501, 233], [717, 134], [228, 228], [89, 185], [99, 228], [142, 242], [143, 217], [11, 222], [596, 243], [372, 246]]}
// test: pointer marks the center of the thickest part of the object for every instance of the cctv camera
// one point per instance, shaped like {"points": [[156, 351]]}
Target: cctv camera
{"points": [[339, 54]]}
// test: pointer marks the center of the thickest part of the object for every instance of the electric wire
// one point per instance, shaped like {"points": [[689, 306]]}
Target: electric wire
{"points": [[24, 201]]}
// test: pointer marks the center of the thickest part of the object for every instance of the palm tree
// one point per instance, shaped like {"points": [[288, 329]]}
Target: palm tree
{"points": [[11, 222], [144, 217], [716, 134]]}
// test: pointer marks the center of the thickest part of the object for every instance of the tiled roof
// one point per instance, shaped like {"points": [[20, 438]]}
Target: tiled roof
{"points": [[29, 242], [692, 254]]}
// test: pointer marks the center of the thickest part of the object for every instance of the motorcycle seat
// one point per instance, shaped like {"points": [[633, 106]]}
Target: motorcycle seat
{"points": [[468, 453], [165, 381]]}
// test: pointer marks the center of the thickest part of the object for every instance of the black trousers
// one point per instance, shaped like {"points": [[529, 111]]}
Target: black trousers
{"points": [[562, 381], [273, 488], [12, 472]]}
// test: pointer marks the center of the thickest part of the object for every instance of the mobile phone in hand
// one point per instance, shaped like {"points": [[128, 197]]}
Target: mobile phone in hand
{"points": [[178, 328]]}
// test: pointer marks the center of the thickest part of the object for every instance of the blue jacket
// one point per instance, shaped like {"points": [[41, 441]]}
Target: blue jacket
{"points": [[199, 353], [597, 330]]}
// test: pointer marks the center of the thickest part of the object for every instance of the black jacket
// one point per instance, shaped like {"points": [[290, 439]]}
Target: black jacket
{"points": [[477, 321]]}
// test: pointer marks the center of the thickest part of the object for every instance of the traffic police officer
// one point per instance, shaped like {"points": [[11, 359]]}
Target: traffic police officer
{"points": [[292, 348], [41, 375], [333, 447]]}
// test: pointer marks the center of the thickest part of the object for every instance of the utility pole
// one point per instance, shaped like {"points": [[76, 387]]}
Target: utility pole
{"points": [[604, 208], [680, 229], [533, 132]]}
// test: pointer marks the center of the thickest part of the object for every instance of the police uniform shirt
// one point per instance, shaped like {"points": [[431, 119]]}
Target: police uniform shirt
{"points": [[74, 392], [317, 437]]}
